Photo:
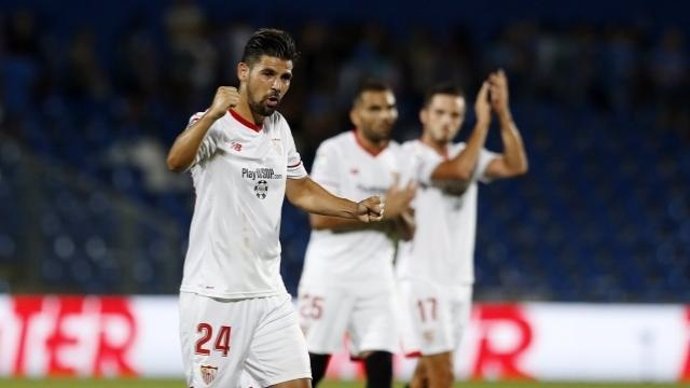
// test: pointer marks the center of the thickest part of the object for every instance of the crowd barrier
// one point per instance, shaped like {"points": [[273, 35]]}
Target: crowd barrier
{"points": [[96, 336]]}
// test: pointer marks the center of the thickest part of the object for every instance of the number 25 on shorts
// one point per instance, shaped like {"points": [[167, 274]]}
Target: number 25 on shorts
{"points": [[311, 307], [221, 342]]}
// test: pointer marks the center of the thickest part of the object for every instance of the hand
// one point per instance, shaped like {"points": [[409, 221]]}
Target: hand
{"points": [[370, 209], [499, 93], [398, 200], [482, 108], [405, 225], [226, 97]]}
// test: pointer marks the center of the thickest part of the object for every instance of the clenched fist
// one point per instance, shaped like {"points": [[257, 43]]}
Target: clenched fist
{"points": [[370, 209], [226, 97]]}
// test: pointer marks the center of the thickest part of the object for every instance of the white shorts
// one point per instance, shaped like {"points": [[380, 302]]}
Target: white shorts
{"points": [[436, 316], [328, 313], [220, 338]]}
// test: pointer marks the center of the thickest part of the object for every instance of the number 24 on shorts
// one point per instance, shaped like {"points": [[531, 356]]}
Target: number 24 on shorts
{"points": [[221, 343]]}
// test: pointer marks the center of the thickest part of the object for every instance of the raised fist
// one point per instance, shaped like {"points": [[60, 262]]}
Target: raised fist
{"points": [[226, 97]]}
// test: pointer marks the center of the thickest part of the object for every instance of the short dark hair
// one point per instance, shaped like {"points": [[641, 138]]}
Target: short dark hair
{"points": [[271, 42], [370, 85], [442, 88]]}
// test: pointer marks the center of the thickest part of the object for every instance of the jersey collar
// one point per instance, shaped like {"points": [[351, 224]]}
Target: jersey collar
{"points": [[368, 149], [443, 154], [245, 122]]}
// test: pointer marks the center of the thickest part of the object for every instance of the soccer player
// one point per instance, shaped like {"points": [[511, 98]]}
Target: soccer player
{"points": [[435, 269], [235, 312], [347, 283]]}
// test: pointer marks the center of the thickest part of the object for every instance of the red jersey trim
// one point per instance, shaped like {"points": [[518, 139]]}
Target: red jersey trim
{"points": [[296, 165], [369, 150], [245, 122]]}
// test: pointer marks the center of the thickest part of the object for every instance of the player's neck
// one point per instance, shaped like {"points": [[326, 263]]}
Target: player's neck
{"points": [[440, 147], [372, 147], [243, 110]]}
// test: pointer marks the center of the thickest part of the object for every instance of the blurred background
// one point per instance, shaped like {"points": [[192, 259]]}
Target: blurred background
{"points": [[92, 94]]}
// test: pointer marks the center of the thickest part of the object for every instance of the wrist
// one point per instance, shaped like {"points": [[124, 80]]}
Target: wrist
{"points": [[215, 115], [483, 124], [506, 117], [353, 210]]}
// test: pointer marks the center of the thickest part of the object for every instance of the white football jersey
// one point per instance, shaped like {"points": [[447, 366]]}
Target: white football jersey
{"points": [[239, 178], [442, 249], [361, 258]]}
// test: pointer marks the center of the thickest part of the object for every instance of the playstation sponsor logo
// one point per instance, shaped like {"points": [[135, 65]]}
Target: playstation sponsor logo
{"points": [[260, 173]]}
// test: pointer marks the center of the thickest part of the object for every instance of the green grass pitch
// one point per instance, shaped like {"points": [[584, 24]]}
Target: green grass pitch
{"points": [[151, 383]]}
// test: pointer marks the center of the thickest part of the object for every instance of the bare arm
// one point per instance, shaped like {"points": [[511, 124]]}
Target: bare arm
{"points": [[513, 161], [462, 165], [186, 145], [311, 197], [396, 201], [319, 222]]}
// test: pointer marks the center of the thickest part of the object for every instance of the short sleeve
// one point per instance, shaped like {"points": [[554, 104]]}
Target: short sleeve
{"points": [[419, 162], [485, 157], [326, 166], [209, 144], [295, 167]]}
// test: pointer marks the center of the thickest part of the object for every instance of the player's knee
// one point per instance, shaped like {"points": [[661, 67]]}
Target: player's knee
{"points": [[419, 379], [441, 377], [447, 378], [419, 376], [439, 370], [420, 370]]}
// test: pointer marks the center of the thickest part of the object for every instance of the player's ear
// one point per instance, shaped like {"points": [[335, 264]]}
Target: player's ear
{"points": [[242, 71], [354, 119], [422, 116]]}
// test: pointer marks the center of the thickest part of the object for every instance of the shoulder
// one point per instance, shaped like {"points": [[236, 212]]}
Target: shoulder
{"points": [[340, 141], [196, 116], [455, 148], [277, 122], [394, 145], [459, 146], [413, 145], [277, 119], [217, 129], [396, 149], [417, 149]]}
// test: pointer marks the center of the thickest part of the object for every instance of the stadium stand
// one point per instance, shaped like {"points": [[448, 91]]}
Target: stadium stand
{"points": [[88, 110]]}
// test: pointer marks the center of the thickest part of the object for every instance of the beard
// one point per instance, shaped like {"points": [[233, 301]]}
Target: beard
{"points": [[260, 107], [376, 136]]}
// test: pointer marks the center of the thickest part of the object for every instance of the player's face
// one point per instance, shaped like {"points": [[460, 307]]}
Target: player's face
{"points": [[443, 117], [266, 81], [374, 114]]}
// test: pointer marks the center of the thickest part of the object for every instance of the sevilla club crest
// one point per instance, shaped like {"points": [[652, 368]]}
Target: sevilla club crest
{"points": [[208, 373], [260, 189]]}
